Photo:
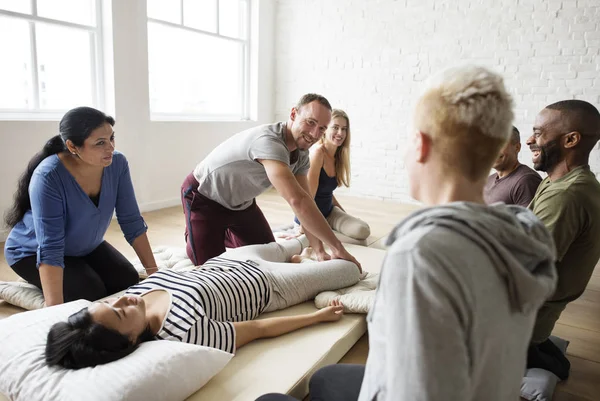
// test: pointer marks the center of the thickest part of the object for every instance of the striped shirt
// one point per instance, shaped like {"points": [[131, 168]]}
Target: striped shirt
{"points": [[206, 300]]}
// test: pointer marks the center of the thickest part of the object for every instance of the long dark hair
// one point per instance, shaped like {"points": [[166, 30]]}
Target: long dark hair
{"points": [[76, 125], [80, 342]]}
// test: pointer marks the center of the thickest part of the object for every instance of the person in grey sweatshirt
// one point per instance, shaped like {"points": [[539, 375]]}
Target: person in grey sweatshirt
{"points": [[461, 282], [458, 295]]}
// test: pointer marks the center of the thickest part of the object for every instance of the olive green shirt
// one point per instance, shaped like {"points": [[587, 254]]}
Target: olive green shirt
{"points": [[570, 209]]}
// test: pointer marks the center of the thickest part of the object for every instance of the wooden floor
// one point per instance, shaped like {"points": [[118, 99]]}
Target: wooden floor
{"points": [[580, 323]]}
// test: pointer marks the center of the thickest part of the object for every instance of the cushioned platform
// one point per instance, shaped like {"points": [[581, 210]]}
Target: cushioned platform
{"points": [[285, 364]]}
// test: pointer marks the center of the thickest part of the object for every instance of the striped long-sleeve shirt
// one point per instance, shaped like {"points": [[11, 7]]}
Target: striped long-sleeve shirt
{"points": [[205, 301]]}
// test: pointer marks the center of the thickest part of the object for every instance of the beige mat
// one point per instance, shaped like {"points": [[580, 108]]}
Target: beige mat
{"points": [[285, 364]]}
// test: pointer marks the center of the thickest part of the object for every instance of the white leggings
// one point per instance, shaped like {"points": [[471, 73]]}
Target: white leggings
{"points": [[294, 283], [350, 226]]}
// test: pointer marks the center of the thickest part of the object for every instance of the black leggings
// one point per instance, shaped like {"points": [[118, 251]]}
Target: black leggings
{"points": [[102, 272], [339, 382]]}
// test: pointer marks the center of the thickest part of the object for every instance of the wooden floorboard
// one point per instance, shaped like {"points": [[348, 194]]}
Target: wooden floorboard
{"points": [[583, 381], [580, 322]]}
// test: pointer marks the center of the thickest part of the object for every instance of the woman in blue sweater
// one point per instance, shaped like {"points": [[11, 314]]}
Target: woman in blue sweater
{"points": [[63, 206]]}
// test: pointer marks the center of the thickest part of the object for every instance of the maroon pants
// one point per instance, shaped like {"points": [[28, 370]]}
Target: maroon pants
{"points": [[210, 227]]}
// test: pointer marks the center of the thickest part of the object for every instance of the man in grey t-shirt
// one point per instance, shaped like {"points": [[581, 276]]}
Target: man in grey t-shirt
{"points": [[513, 183], [219, 195]]}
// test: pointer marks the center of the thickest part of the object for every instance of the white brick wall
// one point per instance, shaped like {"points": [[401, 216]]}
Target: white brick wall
{"points": [[369, 57]]}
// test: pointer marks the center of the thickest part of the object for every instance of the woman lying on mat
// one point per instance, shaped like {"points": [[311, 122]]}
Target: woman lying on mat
{"points": [[330, 169], [63, 206], [212, 305]]}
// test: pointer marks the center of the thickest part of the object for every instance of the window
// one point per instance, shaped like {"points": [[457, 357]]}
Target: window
{"points": [[51, 56], [198, 59]]}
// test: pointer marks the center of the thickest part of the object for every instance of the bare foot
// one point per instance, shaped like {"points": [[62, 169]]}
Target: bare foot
{"points": [[307, 254]]}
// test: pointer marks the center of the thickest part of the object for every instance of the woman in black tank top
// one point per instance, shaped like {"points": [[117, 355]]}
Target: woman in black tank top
{"points": [[329, 169]]}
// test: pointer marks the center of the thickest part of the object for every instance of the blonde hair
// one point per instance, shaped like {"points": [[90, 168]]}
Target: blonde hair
{"points": [[468, 114], [342, 153]]}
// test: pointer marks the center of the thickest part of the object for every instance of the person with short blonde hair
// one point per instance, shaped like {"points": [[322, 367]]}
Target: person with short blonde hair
{"points": [[462, 281], [468, 118], [330, 169]]}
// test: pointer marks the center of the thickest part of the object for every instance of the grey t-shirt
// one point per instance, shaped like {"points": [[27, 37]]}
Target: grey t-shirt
{"points": [[231, 175], [517, 188]]}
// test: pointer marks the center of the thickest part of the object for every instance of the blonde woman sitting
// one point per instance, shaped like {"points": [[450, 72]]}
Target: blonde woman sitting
{"points": [[330, 169]]}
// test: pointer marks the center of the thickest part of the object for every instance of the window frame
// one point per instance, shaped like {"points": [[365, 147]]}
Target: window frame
{"points": [[96, 62], [245, 68]]}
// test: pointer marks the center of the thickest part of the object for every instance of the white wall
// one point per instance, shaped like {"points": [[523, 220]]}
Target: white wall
{"points": [[161, 154], [369, 57]]}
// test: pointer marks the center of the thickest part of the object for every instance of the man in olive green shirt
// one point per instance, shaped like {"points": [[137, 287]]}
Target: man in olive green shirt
{"points": [[568, 202]]}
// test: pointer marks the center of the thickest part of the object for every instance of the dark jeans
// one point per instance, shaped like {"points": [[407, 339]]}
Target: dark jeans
{"points": [[332, 383], [102, 272], [210, 227]]}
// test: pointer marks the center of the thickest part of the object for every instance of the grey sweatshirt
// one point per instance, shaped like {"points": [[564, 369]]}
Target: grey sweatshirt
{"points": [[458, 295]]}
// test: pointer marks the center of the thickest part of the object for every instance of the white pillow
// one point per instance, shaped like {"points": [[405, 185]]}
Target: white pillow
{"points": [[21, 294], [158, 370], [356, 299]]}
